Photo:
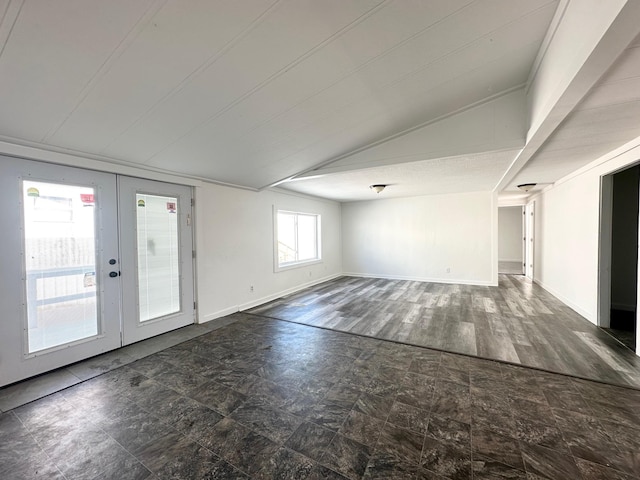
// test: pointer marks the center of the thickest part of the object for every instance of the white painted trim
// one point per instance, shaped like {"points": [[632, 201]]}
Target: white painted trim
{"points": [[567, 302], [551, 33], [269, 298], [62, 156], [519, 203], [284, 293], [612, 155], [291, 193], [605, 227], [219, 314], [423, 279], [71, 158]]}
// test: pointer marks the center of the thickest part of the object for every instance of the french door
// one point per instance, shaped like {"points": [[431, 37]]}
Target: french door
{"points": [[90, 261], [156, 257]]}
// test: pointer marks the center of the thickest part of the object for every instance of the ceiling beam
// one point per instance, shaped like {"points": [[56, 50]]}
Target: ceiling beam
{"points": [[550, 104]]}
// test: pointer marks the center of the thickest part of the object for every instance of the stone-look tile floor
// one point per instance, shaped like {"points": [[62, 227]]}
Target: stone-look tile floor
{"points": [[34, 388], [268, 399]]}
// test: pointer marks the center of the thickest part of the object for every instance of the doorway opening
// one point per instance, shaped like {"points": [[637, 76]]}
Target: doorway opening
{"points": [[620, 200], [511, 240]]}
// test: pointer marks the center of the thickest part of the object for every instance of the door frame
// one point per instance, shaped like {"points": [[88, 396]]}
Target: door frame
{"points": [[605, 236], [17, 362], [132, 329], [530, 239], [11, 168], [605, 233]]}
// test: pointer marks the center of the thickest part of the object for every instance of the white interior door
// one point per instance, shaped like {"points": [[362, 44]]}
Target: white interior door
{"points": [[156, 256], [60, 243]]}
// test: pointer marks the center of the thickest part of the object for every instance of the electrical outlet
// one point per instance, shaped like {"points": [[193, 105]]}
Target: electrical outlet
{"points": [[251, 288], [448, 269]]}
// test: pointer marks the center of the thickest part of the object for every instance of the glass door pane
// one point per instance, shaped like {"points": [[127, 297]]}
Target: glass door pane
{"points": [[60, 289], [158, 256], [60, 264]]}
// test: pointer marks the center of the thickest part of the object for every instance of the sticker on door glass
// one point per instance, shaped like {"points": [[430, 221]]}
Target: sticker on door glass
{"points": [[33, 192], [171, 207], [89, 279], [87, 199], [141, 203]]}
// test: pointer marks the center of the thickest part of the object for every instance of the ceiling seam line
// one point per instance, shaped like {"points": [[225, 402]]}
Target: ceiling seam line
{"points": [[13, 24], [105, 67], [400, 134], [101, 158], [612, 104], [466, 45], [379, 162], [442, 58], [365, 64], [404, 77], [208, 63], [277, 74], [502, 92]]}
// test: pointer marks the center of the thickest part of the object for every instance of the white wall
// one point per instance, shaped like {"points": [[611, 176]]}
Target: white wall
{"points": [[567, 232], [419, 238], [234, 248], [510, 234]]}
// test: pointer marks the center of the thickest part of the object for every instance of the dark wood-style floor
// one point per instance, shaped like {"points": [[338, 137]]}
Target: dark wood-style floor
{"points": [[517, 322], [262, 399]]}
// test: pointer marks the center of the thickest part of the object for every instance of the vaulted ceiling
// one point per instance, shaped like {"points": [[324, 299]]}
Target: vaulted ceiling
{"points": [[322, 97]]}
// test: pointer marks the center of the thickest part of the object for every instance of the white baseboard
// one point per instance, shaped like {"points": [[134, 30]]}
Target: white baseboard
{"points": [[592, 317], [254, 303], [424, 279], [220, 313], [284, 293]]}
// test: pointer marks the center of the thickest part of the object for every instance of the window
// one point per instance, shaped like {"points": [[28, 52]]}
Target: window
{"points": [[297, 238]]}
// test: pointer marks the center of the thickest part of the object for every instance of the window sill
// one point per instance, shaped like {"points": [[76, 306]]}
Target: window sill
{"points": [[291, 266]]}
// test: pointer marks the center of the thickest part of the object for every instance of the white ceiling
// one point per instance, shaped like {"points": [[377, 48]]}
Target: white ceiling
{"points": [[426, 95], [608, 117]]}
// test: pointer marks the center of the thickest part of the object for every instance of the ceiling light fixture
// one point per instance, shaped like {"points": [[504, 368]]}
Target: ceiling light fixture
{"points": [[377, 188], [525, 187]]}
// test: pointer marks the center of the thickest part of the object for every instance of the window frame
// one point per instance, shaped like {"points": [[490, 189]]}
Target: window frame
{"points": [[278, 267]]}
